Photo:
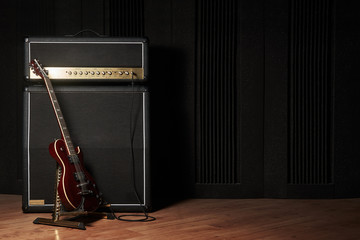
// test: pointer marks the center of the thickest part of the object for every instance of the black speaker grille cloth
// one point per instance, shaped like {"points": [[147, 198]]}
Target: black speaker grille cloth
{"points": [[88, 54], [99, 122]]}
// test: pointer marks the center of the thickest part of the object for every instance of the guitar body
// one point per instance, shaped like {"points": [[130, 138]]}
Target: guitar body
{"points": [[68, 189]]}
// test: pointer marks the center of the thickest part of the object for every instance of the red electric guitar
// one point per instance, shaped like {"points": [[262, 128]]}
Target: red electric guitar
{"points": [[77, 189]]}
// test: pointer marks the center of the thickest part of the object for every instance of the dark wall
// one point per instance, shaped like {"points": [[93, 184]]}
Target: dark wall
{"points": [[248, 98], [346, 98], [10, 97]]}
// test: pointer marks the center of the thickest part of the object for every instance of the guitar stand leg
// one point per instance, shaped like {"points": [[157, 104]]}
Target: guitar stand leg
{"points": [[55, 220], [60, 223], [70, 222]]}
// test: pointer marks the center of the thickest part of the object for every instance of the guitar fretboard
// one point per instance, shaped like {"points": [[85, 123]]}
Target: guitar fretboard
{"points": [[59, 116]]}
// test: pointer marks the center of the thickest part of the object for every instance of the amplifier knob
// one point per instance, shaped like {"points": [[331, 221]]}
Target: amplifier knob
{"points": [[103, 73], [109, 72], [127, 73], [92, 73], [86, 72], [121, 73], [69, 72], [97, 73], [75, 72], [80, 73]]}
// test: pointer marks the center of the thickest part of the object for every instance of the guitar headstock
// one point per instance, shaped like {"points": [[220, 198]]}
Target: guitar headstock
{"points": [[37, 68]]}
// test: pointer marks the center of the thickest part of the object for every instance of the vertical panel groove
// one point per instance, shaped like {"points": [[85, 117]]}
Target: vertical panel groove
{"points": [[126, 18], [216, 92], [310, 160]]}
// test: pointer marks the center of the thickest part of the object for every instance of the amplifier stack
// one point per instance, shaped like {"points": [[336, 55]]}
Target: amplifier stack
{"points": [[100, 84]]}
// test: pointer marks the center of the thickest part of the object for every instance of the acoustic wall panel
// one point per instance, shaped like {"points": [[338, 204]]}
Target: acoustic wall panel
{"points": [[217, 161], [310, 160], [229, 99]]}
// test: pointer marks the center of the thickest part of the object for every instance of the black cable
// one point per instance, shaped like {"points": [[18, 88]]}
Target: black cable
{"points": [[145, 216]]}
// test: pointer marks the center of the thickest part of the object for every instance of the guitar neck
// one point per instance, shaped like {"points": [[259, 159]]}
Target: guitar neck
{"points": [[59, 116]]}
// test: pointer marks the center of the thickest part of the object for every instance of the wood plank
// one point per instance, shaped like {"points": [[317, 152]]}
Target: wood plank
{"points": [[204, 219]]}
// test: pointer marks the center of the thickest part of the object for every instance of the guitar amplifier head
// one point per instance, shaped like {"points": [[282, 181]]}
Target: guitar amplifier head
{"points": [[88, 59]]}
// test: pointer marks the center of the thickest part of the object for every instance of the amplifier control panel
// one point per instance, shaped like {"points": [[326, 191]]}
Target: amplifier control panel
{"points": [[90, 73]]}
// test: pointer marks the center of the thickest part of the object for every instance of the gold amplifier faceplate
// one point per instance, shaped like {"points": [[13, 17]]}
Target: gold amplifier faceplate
{"points": [[91, 73]]}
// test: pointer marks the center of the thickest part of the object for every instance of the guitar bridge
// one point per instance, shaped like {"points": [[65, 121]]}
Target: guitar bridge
{"points": [[83, 184]]}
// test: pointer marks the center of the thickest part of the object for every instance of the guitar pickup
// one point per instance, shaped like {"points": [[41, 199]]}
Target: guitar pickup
{"points": [[79, 176], [85, 192], [73, 159]]}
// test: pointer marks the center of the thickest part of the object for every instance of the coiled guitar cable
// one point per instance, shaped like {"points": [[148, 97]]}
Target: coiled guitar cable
{"points": [[139, 217]]}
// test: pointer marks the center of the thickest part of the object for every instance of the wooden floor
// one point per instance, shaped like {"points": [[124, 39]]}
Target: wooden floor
{"points": [[204, 219]]}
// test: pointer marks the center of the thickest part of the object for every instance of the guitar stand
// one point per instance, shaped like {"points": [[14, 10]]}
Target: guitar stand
{"points": [[69, 222]]}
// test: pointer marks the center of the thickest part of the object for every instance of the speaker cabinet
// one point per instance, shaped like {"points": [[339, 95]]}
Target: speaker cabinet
{"points": [[111, 126]]}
